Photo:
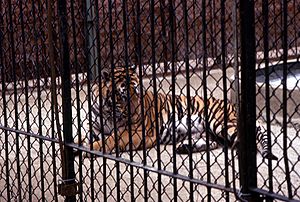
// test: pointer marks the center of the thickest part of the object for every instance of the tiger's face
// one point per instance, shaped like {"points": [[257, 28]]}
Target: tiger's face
{"points": [[119, 91]]}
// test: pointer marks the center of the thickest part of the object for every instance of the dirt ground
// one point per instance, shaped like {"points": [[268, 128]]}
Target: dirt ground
{"points": [[36, 164]]}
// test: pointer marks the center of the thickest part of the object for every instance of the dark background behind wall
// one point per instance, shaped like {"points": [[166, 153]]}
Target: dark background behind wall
{"points": [[29, 44]]}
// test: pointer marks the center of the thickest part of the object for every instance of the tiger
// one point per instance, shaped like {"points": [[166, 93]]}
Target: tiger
{"points": [[116, 105]]}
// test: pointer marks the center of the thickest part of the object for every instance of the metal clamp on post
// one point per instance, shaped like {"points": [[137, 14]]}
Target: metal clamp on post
{"points": [[68, 187], [249, 198]]}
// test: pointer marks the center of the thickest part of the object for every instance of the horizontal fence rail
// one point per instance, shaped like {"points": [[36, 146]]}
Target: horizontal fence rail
{"points": [[149, 100]]}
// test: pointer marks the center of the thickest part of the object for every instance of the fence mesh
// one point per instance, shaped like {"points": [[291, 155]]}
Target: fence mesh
{"points": [[182, 48]]}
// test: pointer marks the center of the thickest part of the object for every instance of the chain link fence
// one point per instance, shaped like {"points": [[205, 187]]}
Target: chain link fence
{"points": [[52, 56]]}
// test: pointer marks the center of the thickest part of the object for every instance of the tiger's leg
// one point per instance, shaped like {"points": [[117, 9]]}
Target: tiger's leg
{"points": [[108, 141], [198, 145], [199, 134], [181, 129], [262, 140], [84, 141], [196, 127], [123, 141]]}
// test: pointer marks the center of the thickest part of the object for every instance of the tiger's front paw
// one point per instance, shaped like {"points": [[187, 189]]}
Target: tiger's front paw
{"points": [[82, 142], [183, 149], [84, 145], [87, 155]]}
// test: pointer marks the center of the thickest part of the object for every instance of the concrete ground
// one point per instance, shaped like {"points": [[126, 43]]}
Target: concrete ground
{"points": [[38, 162]]}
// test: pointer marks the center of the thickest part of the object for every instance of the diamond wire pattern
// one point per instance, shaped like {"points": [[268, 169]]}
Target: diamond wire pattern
{"points": [[275, 42], [38, 43], [143, 29], [32, 108]]}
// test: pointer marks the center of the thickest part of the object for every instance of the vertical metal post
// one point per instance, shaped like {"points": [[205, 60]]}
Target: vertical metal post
{"points": [[247, 117], [88, 51], [112, 63], [77, 87], [266, 26], [27, 109], [91, 37], [188, 93], [125, 30], [225, 90], [205, 96], [173, 92], [15, 96], [4, 103], [68, 174], [36, 30], [164, 36], [285, 97], [235, 97]]}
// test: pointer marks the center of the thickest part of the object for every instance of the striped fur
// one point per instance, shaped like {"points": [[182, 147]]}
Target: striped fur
{"points": [[160, 125]]}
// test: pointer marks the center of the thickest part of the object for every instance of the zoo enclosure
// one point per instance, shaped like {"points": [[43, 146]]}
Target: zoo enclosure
{"points": [[171, 37]]}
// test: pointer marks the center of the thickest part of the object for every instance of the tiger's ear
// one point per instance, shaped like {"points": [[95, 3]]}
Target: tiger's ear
{"points": [[105, 75]]}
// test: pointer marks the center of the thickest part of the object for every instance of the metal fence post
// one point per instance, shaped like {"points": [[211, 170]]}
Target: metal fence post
{"points": [[91, 38], [68, 187], [247, 116]]}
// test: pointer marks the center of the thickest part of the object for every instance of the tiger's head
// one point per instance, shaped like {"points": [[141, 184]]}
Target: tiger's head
{"points": [[119, 91]]}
